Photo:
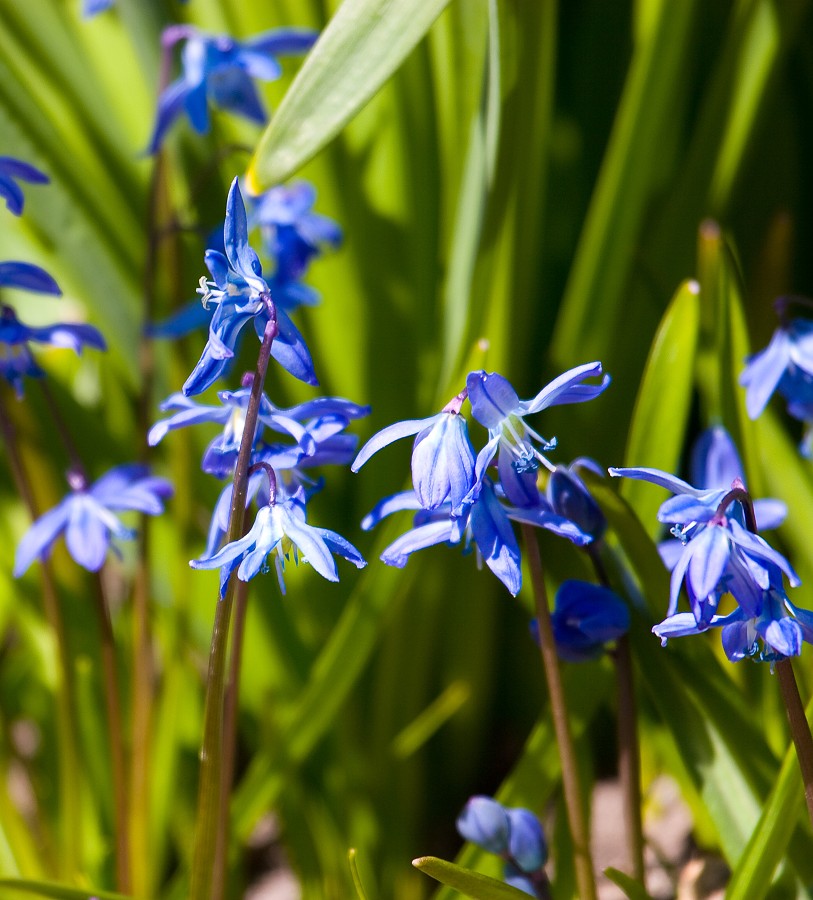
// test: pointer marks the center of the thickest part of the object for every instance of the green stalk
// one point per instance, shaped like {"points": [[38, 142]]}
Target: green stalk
{"points": [[209, 818], [67, 742], [574, 795], [230, 737], [110, 682], [799, 728], [629, 751]]}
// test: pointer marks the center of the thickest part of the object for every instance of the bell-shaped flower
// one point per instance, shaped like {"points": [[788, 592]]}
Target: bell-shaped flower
{"points": [[219, 69], [585, 617], [16, 359], [442, 456], [495, 404], [569, 497], [513, 833], [241, 295], [87, 516], [14, 170], [279, 530]]}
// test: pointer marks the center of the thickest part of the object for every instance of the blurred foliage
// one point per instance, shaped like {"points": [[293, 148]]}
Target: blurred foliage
{"points": [[526, 193]]}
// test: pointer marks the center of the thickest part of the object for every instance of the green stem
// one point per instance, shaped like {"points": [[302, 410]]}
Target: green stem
{"points": [[799, 728], [230, 737], [574, 796], [70, 779], [209, 821], [110, 682], [629, 751]]}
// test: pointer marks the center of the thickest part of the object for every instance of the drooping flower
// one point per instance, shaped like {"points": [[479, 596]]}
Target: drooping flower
{"points": [[442, 456], [513, 833], [87, 516], [16, 359], [569, 497], [495, 405], [241, 295], [585, 617], [279, 530], [772, 629], [11, 171], [220, 69]]}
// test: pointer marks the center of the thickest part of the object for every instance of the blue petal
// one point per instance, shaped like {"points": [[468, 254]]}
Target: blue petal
{"points": [[783, 635], [485, 822], [235, 236], [567, 388], [687, 508], [170, 104], [87, 536], [656, 476], [398, 553], [709, 554], [769, 513], [764, 372], [232, 88], [715, 461], [526, 841], [492, 398], [313, 547], [443, 463], [678, 625], [71, 336], [29, 277], [37, 541], [387, 506], [283, 41], [387, 436], [496, 540], [289, 349]]}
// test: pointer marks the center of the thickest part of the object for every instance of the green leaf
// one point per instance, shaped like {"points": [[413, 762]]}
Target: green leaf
{"points": [[472, 884], [57, 891], [662, 407], [632, 888], [363, 44], [354, 871], [769, 840]]}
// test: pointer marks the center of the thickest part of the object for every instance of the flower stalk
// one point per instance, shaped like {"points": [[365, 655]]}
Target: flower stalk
{"points": [[211, 812], [574, 795]]}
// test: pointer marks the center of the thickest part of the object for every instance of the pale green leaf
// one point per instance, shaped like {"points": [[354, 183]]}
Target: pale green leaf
{"points": [[472, 884], [361, 47]]}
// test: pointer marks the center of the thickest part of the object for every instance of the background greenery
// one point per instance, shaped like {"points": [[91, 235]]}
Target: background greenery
{"points": [[540, 176]]}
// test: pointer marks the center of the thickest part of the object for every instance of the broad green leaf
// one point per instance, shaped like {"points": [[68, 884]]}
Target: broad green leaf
{"points": [[56, 891], [658, 426], [361, 47], [632, 888], [472, 884]]}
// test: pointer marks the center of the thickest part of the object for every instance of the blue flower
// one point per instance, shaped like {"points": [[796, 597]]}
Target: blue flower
{"points": [[86, 516], [16, 360], [715, 464], [328, 416], [717, 549], [279, 529], [495, 405], [241, 295], [442, 456], [219, 69], [585, 617], [773, 620], [513, 833], [291, 232], [94, 7], [10, 191]]}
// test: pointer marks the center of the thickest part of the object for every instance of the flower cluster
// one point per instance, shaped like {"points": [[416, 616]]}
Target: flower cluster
{"points": [[515, 834], [287, 444], [720, 553], [454, 497]]}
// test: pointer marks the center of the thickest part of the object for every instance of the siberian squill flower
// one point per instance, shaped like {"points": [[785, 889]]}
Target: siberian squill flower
{"points": [[716, 545], [569, 497], [772, 628], [715, 464], [280, 529], [87, 516], [11, 171], [442, 456], [513, 833], [292, 233], [518, 447], [786, 365], [241, 295], [585, 617], [220, 69]]}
